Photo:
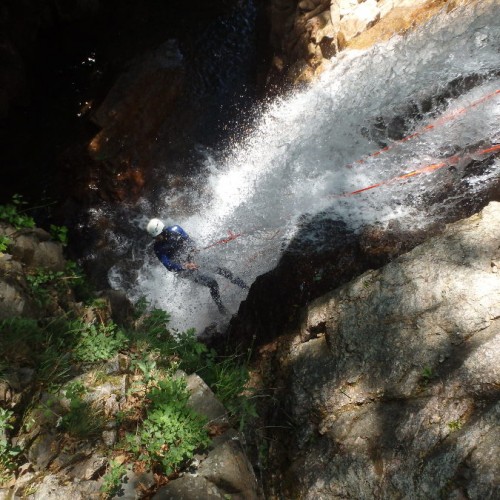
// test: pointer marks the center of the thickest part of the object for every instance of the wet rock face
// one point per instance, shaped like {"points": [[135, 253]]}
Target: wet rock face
{"points": [[391, 381], [325, 254]]}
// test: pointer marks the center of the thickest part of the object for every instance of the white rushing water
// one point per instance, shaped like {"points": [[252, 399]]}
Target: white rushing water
{"points": [[304, 150]]}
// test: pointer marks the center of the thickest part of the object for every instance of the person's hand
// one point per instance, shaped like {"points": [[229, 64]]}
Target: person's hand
{"points": [[190, 265]]}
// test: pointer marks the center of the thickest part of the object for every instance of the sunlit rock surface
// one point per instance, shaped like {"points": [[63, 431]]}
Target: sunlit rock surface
{"points": [[306, 34], [390, 387]]}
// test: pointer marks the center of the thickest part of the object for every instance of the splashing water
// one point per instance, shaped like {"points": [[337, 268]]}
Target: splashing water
{"points": [[303, 154]]}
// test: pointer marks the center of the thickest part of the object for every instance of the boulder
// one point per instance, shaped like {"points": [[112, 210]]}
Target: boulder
{"points": [[392, 379], [203, 401], [189, 487], [228, 467], [134, 485], [357, 18], [15, 299], [33, 248]]}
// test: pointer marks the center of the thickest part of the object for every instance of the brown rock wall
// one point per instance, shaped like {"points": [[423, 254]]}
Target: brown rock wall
{"points": [[306, 34]]}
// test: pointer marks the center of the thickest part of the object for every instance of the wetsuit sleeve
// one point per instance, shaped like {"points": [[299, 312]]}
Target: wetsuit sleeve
{"points": [[179, 231], [188, 242], [169, 264]]}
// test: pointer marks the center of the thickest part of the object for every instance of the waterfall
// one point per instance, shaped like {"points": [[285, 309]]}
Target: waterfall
{"points": [[426, 103]]}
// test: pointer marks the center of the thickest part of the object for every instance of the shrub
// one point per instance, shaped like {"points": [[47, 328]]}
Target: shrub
{"points": [[98, 342], [191, 355], [153, 328], [44, 283], [171, 431], [12, 214], [59, 233], [4, 243], [227, 377]]}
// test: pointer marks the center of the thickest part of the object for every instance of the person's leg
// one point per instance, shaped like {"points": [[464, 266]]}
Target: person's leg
{"points": [[203, 279], [222, 271]]}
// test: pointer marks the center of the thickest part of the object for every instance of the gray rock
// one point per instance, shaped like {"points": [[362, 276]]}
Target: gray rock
{"points": [[89, 468], [228, 467], [57, 487], [14, 299], [392, 381], [109, 437], [43, 451], [204, 402], [30, 250], [134, 485], [190, 487]]}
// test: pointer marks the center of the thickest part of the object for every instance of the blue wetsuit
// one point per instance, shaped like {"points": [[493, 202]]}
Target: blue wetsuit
{"points": [[174, 248]]}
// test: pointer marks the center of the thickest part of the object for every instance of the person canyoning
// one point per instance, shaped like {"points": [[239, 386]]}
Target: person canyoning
{"points": [[175, 250]]}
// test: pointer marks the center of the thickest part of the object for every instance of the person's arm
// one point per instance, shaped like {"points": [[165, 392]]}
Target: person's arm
{"points": [[183, 235], [168, 263]]}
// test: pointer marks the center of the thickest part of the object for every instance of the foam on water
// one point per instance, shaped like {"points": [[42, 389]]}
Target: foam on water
{"points": [[303, 151]]}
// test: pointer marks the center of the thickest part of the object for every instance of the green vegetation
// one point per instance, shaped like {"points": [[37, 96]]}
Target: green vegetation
{"points": [[4, 243], [59, 233], [13, 214], [8, 453], [98, 342], [161, 430], [82, 421], [427, 374], [454, 425], [171, 431], [45, 285], [111, 481], [155, 425]]}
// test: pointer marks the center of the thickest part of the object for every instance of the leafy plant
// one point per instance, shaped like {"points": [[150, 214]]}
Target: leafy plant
{"points": [[98, 342], [44, 282], [59, 233], [147, 367], [455, 425], [140, 307], [427, 374], [191, 355], [8, 453], [112, 480], [154, 327], [12, 214], [227, 377], [39, 283], [171, 431], [4, 243]]}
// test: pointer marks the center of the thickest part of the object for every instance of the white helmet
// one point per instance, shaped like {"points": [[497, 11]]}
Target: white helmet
{"points": [[155, 227]]}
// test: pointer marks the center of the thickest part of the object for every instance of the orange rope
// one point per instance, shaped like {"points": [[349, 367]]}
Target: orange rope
{"points": [[429, 168], [439, 121], [232, 236], [452, 160]]}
